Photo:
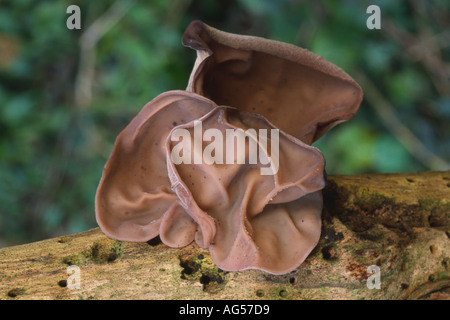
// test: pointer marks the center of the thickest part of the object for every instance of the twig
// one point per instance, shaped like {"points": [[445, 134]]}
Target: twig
{"points": [[88, 42], [401, 132], [425, 50]]}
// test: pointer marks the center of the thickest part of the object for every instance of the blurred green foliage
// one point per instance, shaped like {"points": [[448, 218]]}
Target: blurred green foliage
{"points": [[52, 150]]}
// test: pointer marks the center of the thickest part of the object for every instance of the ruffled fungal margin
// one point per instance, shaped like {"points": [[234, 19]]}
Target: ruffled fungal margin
{"points": [[135, 193], [298, 91], [246, 218]]}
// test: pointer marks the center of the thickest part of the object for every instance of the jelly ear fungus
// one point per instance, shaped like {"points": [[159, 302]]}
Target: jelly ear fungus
{"points": [[296, 90]]}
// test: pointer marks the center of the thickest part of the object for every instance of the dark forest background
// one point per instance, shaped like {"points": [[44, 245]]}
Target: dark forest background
{"points": [[66, 94]]}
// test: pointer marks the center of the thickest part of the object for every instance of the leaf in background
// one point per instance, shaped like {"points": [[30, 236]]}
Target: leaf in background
{"points": [[348, 148], [390, 155], [16, 109], [406, 87]]}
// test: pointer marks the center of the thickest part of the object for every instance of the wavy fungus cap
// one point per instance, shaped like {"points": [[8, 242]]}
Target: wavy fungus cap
{"points": [[295, 89], [267, 222], [135, 192], [279, 98], [246, 219]]}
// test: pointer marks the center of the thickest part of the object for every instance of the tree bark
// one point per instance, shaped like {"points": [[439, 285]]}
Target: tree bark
{"points": [[396, 224]]}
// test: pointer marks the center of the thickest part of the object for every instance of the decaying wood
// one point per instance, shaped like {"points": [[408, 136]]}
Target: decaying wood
{"points": [[398, 222]]}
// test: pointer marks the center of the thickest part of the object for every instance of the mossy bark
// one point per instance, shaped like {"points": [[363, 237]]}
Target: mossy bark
{"points": [[399, 223]]}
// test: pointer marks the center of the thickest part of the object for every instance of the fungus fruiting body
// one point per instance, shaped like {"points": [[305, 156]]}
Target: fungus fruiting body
{"points": [[298, 91], [254, 200]]}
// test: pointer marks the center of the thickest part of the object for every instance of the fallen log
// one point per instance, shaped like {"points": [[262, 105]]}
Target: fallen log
{"points": [[384, 236]]}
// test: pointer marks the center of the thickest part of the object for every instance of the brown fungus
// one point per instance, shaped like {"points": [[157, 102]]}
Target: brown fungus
{"points": [[256, 221], [298, 91], [135, 193], [248, 219]]}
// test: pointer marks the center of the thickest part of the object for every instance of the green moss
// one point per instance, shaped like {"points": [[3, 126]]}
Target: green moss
{"points": [[74, 259], [283, 293], [201, 267], [430, 204], [104, 251], [100, 252], [435, 205], [372, 199], [437, 212], [278, 293], [64, 239], [259, 293], [134, 268], [441, 276]]}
